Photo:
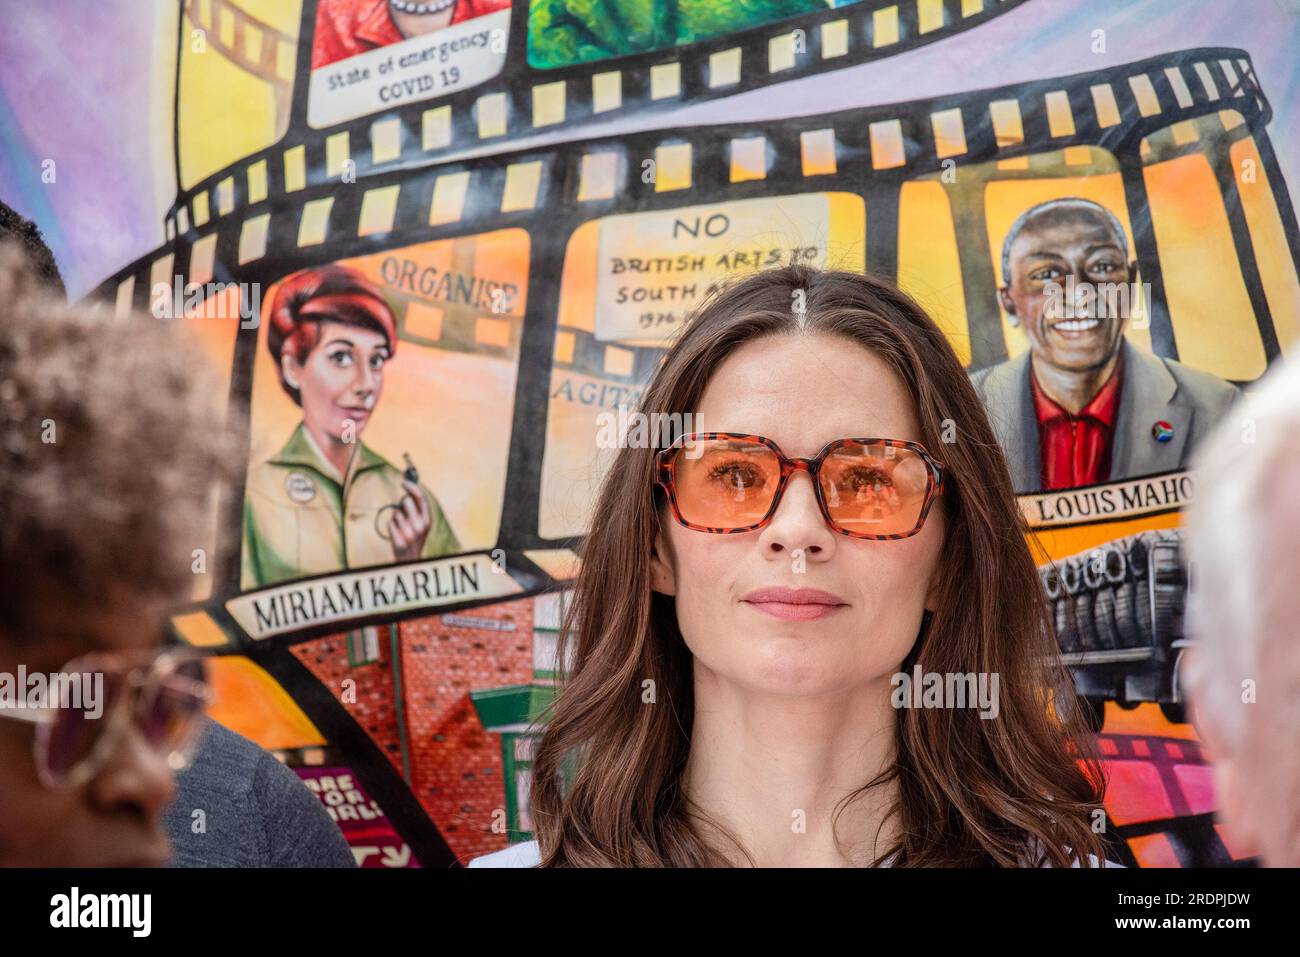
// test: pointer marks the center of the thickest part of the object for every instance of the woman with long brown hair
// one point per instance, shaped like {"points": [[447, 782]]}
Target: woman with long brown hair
{"points": [[746, 640]]}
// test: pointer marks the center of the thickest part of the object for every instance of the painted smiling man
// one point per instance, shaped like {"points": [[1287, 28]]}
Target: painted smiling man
{"points": [[1082, 405]]}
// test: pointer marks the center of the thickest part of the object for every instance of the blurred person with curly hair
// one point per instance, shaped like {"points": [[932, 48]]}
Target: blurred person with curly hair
{"points": [[108, 462], [107, 466]]}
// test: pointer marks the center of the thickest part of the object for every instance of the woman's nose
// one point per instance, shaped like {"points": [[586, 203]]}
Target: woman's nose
{"points": [[365, 379], [798, 522]]}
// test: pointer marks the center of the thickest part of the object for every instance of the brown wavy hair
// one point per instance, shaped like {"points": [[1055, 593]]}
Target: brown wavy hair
{"points": [[1012, 791]]}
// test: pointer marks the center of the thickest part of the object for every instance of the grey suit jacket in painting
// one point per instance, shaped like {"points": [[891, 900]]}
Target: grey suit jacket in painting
{"points": [[1154, 390]]}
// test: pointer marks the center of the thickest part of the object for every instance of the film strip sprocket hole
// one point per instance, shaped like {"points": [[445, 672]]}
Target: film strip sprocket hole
{"points": [[519, 99]]}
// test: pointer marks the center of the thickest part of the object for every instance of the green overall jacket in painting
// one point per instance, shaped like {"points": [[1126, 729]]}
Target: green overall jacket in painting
{"points": [[301, 519]]}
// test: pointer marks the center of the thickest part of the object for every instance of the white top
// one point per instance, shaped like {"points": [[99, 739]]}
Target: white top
{"points": [[516, 855], [528, 855]]}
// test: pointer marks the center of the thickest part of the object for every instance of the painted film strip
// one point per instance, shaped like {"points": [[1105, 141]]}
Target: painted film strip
{"points": [[574, 209], [1159, 799], [255, 46], [359, 93]]}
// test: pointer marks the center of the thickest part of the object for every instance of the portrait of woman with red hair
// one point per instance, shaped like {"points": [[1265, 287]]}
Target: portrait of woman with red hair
{"points": [[325, 501]]}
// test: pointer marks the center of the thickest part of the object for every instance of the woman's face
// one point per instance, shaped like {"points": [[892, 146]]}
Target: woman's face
{"points": [[340, 380], [801, 392]]}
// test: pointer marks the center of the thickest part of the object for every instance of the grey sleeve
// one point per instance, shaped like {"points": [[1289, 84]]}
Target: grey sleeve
{"points": [[297, 830], [1212, 397]]}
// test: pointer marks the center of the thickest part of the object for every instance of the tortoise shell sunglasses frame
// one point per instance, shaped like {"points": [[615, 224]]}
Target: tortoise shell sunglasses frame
{"points": [[665, 477]]}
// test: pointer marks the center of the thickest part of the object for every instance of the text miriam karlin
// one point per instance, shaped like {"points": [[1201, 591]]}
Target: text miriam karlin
{"points": [[356, 596], [75, 909]]}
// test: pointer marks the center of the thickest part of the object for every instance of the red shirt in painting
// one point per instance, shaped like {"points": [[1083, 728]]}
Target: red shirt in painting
{"points": [[345, 28], [1075, 449]]}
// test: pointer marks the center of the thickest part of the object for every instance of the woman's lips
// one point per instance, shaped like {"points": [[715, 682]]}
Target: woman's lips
{"points": [[794, 612], [794, 604]]}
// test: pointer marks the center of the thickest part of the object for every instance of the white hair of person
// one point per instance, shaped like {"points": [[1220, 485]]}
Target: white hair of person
{"points": [[1234, 533]]}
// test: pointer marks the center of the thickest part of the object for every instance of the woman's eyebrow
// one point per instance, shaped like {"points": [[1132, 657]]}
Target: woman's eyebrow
{"points": [[346, 342]]}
